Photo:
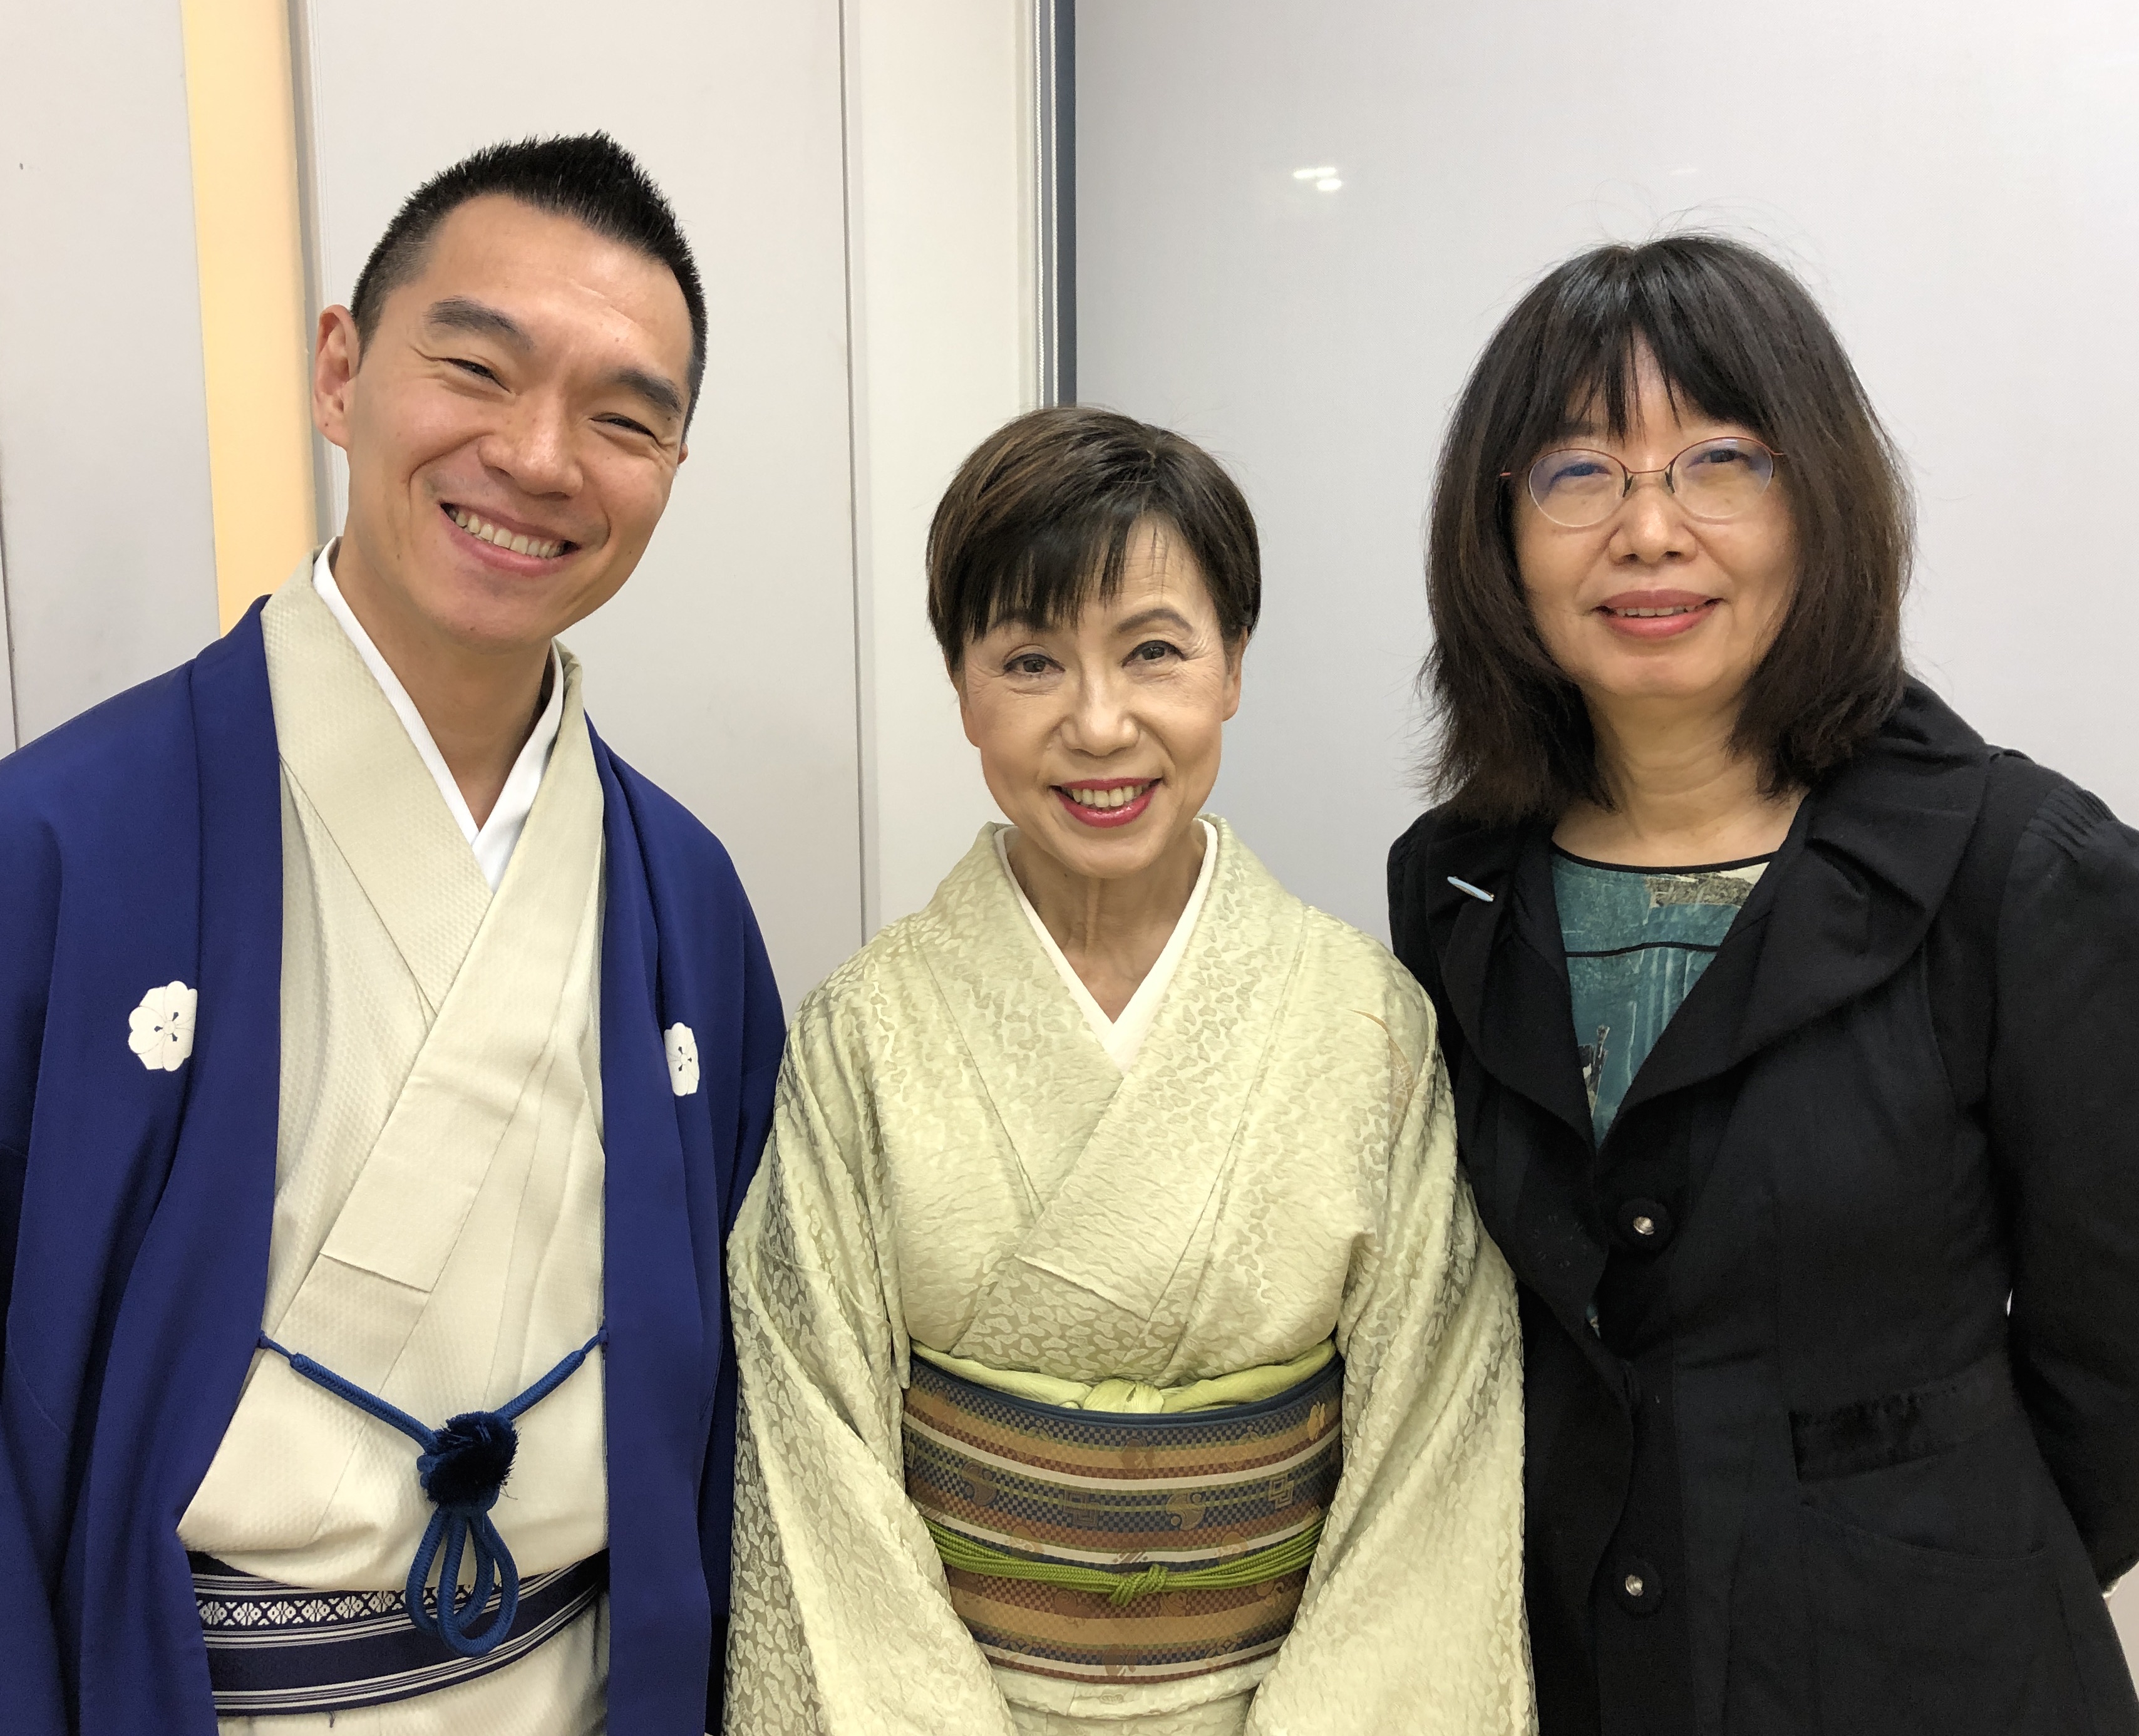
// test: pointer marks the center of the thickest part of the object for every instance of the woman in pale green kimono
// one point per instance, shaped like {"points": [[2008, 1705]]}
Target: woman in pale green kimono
{"points": [[1120, 1350]]}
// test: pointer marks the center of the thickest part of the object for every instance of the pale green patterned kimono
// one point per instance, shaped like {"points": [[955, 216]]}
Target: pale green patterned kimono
{"points": [[956, 1163]]}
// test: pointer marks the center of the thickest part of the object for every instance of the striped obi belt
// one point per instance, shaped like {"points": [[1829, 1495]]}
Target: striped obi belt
{"points": [[277, 1649], [1096, 1546], [274, 1649]]}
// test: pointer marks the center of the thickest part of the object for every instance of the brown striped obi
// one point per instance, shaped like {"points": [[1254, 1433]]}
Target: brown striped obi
{"points": [[1092, 1545]]}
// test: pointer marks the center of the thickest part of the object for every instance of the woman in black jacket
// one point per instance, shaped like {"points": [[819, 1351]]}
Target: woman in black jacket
{"points": [[1795, 1040]]}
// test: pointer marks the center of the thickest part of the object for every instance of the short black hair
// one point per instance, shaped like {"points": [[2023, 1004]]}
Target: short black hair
{"points": [[1734, 334], [588, 177], [1037, 521]]}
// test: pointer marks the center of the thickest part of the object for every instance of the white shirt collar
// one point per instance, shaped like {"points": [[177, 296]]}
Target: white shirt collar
{"points": [[493, 840], [1122, 1037]]}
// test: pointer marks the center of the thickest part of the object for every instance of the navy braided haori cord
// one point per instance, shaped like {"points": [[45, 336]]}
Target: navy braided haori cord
{"points": [[462, 1468]]}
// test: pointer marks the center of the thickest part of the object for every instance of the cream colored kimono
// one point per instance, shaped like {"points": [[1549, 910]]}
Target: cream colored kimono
{"points": [[956, 1163], [438, 1228]]}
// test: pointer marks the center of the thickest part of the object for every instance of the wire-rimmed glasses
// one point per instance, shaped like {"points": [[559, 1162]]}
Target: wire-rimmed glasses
{"points": [[1577, 488]]}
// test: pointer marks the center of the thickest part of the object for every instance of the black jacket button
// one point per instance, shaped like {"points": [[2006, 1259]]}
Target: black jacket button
{"points": [[1638, 1586], [1645, 1225]]}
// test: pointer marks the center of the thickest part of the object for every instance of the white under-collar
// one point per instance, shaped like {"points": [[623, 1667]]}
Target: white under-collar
{"points": [[493, 840], [1122, 1037]]}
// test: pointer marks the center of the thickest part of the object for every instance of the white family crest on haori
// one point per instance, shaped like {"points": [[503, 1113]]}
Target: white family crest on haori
{"points": [[683, 1059], [160, 1030]]}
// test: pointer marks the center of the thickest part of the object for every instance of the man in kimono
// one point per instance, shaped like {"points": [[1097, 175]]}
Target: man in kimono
{"points": [[381, 1063]]}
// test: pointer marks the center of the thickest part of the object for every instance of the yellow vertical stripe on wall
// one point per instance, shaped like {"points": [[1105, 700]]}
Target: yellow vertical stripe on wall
{"points": [[255, 337]]}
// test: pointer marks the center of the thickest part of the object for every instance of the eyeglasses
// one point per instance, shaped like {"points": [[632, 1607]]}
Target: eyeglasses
{"points": [[1712, 480]]}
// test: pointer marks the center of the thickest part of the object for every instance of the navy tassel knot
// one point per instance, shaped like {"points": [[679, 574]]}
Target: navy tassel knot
{"points": [[471, 1462], [463, 1468]]}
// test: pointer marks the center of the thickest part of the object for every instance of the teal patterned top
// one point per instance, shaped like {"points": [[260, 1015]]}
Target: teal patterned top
{"points": [[1638, 941]]}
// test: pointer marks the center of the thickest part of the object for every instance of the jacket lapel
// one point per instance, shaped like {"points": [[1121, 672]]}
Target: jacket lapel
{"points": [[1848, 900], [1503, 967], [1520, 1028], [1850, 897], [661, 1296], [194, 1281]]}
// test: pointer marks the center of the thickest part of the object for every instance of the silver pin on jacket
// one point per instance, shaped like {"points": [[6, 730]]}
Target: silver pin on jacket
{"points": [[1477, 892]]}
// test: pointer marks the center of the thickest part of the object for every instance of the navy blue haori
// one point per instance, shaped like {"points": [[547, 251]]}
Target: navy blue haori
{"points": [[140, 960]]}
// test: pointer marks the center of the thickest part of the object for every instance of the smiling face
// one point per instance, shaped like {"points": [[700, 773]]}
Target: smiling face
{"points": [[1653, 605], [513, 426], [1099, 739]]}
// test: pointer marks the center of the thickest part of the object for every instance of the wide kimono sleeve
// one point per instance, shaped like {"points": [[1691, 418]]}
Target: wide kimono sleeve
{"points": [[841, 1620], [1412, 1618], [2063, 1099]]}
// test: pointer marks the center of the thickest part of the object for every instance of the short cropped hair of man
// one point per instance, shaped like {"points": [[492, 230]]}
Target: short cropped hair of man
{"points": [[382, 1062]]}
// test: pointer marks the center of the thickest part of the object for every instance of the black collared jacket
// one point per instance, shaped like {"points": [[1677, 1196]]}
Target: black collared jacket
{"points": [[1853, 1443]]}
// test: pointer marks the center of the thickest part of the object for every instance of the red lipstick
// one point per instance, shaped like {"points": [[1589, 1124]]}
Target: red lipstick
{"points": [[1104, 818]]}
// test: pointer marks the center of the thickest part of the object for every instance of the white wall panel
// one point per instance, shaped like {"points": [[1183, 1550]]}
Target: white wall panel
{"points": [[851, 172], [104, 500], [944, 250], [725, 670], [1953, 179]]}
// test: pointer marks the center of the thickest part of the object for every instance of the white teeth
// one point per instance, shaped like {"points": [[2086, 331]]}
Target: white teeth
{"points": [[1107, 798], [488, 533], [1653, 614]]}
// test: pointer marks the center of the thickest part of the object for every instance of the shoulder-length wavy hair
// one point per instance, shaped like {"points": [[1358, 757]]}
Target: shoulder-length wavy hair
{"points": [[1737, 337]]}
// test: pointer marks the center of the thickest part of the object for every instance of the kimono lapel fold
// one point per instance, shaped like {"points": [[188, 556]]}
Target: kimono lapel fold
{"points": [[446, 1228], [490, 972], [1004, 997], [500, 1015], [1120, 1244], [350, 757]]}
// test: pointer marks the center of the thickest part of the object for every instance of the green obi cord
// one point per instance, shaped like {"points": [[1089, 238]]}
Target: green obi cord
{"points": [[1637, 939]]}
